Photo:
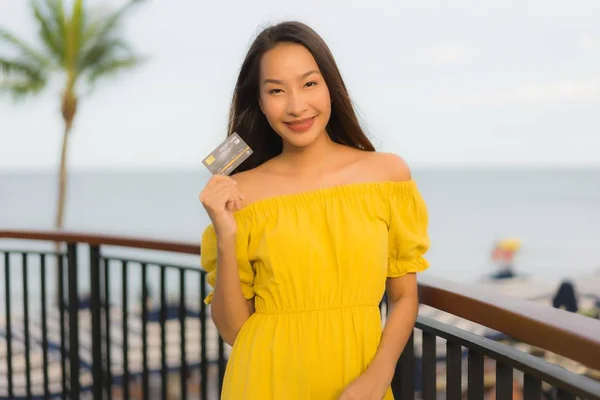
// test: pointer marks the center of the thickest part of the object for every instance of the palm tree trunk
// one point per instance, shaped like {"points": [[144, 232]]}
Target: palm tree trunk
{"points": [[61, 201], [68, 108], [62, 178]]}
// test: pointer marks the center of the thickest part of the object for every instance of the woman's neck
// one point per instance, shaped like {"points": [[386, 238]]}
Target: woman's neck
{"points": [[311, 160]]}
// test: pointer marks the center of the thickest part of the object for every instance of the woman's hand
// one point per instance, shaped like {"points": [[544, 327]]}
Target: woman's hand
{"points": [[368, 386], [221, 197]]}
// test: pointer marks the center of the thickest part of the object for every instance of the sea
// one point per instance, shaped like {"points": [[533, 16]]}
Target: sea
{"points": [[555, 213]]}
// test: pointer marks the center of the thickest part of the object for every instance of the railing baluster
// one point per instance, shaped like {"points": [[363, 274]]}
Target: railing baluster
{"points": [[453, 370], [403, 383], [203, 357], [504, 381], [475, 371], [145, 382], [63, 336], [26, 326], [532, 388], [182, 311], [407, 362], [222, 363], [9, 369], [95, 305], [163, 332], [125, 333], [108, 378], [44, 326], [562, 395], [74, 388], [429, 367]]}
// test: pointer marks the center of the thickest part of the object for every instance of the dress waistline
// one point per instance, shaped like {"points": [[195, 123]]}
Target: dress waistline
{"points": [[316, 309]]}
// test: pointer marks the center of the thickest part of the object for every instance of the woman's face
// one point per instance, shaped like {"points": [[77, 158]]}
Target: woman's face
{"points": [[293, 94]]}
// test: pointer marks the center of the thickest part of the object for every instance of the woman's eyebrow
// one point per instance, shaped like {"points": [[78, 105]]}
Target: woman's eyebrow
{"points": [[280, 82]]}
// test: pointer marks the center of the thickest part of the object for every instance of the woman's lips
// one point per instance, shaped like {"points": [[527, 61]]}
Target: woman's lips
{"points": [[301, 125]]}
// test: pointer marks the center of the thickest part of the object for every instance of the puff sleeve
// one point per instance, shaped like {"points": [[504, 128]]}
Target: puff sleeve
{"points": [[408, 237], [208, 261]]}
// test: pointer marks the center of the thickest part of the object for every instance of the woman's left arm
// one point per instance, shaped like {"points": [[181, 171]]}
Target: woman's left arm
{"points": [[408, 243], [403, 305], [402, 292]]}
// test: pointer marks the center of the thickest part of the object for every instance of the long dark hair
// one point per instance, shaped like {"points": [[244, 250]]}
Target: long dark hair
{"points": [[250, 123]]}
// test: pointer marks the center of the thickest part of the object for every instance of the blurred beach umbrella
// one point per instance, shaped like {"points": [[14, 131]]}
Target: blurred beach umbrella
{"points": [[505, 249], [79, 46], [509, 244]]}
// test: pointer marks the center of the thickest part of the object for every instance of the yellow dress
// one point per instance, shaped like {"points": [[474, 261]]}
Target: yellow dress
{"points": [[316, 264]]}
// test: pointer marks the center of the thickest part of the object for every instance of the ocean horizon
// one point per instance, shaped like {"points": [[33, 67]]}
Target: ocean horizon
{"points": [[554, 212]]}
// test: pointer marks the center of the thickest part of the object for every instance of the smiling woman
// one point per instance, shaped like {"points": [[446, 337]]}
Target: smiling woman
{"points": [[308, 233]]}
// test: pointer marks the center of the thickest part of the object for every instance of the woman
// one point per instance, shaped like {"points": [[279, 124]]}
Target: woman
{"points": [[307, 233]]}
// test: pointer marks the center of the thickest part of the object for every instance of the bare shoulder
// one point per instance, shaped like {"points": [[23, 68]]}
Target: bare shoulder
{"points": [[389, 166]]}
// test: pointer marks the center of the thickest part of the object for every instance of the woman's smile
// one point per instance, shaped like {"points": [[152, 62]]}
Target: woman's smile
{"points": [[301, 125]]}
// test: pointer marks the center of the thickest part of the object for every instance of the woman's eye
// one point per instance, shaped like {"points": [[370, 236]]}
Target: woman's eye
{"points": [[274, 91], [309, 84]]}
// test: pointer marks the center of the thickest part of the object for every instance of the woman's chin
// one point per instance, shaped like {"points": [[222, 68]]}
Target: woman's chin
{"points": [[300, 141]]}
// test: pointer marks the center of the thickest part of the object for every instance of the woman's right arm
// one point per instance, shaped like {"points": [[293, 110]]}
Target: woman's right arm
{"points": [[230, 309]]}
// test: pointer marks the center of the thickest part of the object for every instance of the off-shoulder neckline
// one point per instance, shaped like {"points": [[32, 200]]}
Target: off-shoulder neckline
{"points": [[323, 191]]}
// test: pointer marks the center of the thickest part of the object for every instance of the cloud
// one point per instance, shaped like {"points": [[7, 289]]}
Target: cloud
{"points": [[572, 90], [589, 43], [439, 56], [450, 54], [583, 90]]}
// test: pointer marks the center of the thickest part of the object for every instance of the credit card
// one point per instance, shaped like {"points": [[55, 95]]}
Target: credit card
{"points": [[228, 155]]}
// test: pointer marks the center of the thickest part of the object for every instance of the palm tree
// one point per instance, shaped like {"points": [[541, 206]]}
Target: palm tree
{"points": [[80, 49]]}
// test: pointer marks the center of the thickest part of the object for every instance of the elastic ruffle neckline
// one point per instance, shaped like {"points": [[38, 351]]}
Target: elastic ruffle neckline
{"points": [[268, 203]]}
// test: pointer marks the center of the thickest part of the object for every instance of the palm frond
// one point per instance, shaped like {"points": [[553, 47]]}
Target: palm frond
{"points": [[113, 66], [57, 13], [20, 78], [19, 67], [102, 47], [100, 24], [52, 28], [92, 22], [74, 30], [81, 43], [25, 50], [19, 89], [111, 23], [103, 50]]}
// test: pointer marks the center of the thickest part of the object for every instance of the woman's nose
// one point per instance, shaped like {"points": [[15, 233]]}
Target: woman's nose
{"points": [[296, 104]]}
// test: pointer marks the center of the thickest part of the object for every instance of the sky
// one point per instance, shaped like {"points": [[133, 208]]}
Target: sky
{"points": [[466, 83]]}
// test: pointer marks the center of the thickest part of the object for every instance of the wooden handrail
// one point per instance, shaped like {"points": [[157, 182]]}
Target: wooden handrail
{"points": [[108, 240], [568, 334], [565, 333]]}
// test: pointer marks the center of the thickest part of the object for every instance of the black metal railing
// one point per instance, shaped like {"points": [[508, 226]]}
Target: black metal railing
{"points": [[510, 366], [91, 322], [104, 342]]}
